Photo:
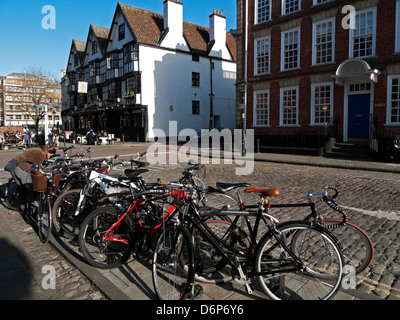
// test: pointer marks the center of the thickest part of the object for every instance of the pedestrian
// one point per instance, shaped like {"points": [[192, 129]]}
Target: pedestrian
{"points": [[26, 139], [23, 177], [40, 139], [91, 137]]}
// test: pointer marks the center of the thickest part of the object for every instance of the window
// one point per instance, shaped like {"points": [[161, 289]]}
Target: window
{"points": [[195, 107], [133, 85], [323, 41], [362, 38], [121, 32], [94, 69], [321, 103], [76, 61], [397, 26], [393, 105], [195, 79], [112, 61], [289, 106], [131, 53], [111, 91], [261, 108], [289, 6], [290, 49], [195, 57], [320, 1], [94, 47], [262, 54], [263, 11]]}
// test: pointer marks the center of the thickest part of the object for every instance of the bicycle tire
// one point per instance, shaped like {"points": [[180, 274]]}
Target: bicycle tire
{"points": [[319, 280], [173, 259], [11, 195], [64, 219], [97, 251], [44, 218], [357, 247]]}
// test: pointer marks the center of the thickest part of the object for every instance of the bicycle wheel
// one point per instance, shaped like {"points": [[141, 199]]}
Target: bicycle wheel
{"points": [[210, 267], [99, 252], [357, 247], [320, 275], [11, 195], [66, 223], [44, 218], [173, 264]]}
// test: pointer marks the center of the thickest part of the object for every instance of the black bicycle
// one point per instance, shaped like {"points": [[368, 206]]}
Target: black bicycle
{"points": [[309, 267]]}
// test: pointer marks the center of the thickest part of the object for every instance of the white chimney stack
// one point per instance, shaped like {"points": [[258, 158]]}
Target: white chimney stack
{"points": [[218, 27], [173, 17]]}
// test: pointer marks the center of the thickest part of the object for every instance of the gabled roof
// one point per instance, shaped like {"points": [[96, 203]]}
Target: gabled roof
{"points": [[148, 28], [80, 48], [101, 35]]}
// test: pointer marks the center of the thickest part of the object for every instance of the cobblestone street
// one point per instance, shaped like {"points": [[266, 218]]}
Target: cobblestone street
{"points": [[370, 198]]}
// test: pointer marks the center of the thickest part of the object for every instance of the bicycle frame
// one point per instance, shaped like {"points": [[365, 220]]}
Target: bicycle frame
{"points": [[199, 223], [167, 215]]}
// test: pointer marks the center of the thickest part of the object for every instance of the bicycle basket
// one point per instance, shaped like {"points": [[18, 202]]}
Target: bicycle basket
{"points": [[39, 182]]}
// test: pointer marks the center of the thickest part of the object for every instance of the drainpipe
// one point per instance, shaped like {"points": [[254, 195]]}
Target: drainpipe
{"points": [[244, 115], [211, 122]]}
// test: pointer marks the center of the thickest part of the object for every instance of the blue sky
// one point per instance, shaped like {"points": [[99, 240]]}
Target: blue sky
{"points": [[24, 43]]}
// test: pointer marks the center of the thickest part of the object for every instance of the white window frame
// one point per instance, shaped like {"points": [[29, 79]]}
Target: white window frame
{"points": [[255, 122], [314, 42], [351, 33], [283, 34], [389, 100], [256, 12], [313, 119], [397, 47], [284, 3], [281, 107], [315, 2], [268, 39]]}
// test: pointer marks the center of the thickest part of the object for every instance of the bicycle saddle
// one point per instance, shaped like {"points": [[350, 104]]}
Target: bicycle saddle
{"points": [[224, 187], [140, 164], [264, 192], [132, 175]]}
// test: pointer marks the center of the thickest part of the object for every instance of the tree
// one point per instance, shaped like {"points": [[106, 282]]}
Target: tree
{"points": [[38, 88]]}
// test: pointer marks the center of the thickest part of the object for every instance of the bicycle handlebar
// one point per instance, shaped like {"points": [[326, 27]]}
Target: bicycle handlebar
{"points": [[329, 200]]}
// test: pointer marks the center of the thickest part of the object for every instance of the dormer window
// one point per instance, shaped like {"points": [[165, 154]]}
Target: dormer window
{"points": [[121, 32], [94, 47]]}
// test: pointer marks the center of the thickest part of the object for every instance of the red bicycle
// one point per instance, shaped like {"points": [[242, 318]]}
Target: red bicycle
{"points": [[110, 234]]}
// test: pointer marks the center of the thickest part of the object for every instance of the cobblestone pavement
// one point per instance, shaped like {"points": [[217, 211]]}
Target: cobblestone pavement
{"points": [[370, 198], [27, 266]]}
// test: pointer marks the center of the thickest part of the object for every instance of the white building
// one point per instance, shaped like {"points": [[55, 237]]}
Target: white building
{"points": [[149, 69]]}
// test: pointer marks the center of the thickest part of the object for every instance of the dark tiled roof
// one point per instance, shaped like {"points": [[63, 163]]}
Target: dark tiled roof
{"points": [[148, 27], [80, 48], [102, 37]]}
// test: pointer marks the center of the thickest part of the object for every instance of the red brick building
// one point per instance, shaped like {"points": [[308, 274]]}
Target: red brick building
{"points": [[319, 68]]}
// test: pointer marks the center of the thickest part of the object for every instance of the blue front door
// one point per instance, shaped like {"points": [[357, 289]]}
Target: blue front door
{"points": [[358, 117]]}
